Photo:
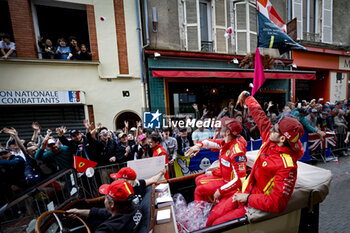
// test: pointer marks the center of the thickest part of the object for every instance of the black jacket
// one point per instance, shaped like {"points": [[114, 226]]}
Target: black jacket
{"points": [[125, 221], [180, 149], [104, 151], [84, 146], [121, 153], [142, 152]]}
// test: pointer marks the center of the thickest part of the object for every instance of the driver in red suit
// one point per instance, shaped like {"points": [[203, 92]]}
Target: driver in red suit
{"points": [[271, 182], [226, 179]]}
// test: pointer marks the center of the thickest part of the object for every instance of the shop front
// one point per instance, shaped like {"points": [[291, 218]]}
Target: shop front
{"points": [[332, 74], [175, 85]]}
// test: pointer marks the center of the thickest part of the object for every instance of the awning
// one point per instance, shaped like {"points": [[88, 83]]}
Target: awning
{"points": [[228, 73]]}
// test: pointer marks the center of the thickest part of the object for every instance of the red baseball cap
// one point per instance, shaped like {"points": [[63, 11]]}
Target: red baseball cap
{"points": [[119, 190], [126, 173], [233, 125], [292, 129]]}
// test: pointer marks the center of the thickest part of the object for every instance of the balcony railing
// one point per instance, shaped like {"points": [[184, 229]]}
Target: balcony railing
{"points": [[310, 36], [206, 46]]}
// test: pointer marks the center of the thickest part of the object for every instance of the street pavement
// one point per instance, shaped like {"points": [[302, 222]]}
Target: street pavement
{"points": [[335, 209]]}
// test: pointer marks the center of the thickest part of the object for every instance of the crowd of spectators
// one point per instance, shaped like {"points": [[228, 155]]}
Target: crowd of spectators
{"points": [[23, 163], [63, 50]]}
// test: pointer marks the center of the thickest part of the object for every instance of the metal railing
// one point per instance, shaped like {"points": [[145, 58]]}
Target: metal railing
{"points": [[330, 153], [311, 36], [89, 186], [53, 193], [207, 46]]}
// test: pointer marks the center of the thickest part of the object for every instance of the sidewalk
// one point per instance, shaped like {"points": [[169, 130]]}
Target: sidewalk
{"points": [[335, 210]]}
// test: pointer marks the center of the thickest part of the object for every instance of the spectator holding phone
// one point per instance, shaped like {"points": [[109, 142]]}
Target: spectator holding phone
{"points": [[63, 51]]}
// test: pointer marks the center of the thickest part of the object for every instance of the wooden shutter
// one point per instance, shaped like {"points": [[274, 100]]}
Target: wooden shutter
{"points": [[253, 27], [232, 24], [297, 12], [241, 27], [327, 9], [191, 24], [220, 25]]}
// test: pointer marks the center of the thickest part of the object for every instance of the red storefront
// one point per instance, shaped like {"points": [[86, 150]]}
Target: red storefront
{"points": [[332, 73]]}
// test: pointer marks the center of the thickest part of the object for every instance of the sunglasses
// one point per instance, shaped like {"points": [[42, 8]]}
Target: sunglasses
{"points": [[104, 131], [275, 127]]}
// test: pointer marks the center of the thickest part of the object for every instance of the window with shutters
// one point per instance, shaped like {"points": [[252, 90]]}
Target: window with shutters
{"points": [[314, 19], [204, 25], [310, 20], [245, 27]]}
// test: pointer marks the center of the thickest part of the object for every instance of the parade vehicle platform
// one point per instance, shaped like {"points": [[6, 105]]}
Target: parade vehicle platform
{"points": [[62, 192]]}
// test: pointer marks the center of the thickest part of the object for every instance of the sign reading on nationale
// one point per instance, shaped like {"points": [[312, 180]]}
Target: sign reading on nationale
{"points": [[41, 97]]}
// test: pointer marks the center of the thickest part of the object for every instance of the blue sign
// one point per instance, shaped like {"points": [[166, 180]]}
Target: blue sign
{"points": [[152, 120]]}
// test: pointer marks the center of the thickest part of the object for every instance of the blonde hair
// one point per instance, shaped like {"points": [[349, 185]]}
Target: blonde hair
{"points": [[133, 183]]}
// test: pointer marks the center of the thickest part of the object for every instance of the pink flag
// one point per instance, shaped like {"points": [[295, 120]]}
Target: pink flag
{"points": [[259, 76]]}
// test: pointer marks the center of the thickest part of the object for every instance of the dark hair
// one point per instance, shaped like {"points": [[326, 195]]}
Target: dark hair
{"points": [[286, 144], [102, 128], [122, 204], [12, 142], [155, 137], [61, 39], [5, 35], [72, 38]]}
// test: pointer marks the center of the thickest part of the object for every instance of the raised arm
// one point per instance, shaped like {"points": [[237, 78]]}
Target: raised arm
{"points": [[13, 133], [258, 114], [36, 131], [60, 132], [40, 152]]}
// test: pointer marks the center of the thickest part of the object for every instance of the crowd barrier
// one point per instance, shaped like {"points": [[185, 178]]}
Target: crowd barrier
{"points": [[323, 149], [52, 193], [66, 185], [89, 185]]}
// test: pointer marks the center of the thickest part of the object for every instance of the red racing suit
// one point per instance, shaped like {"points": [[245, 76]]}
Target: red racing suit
{"points": [[271, 182], [159, 151], [228, 177]]}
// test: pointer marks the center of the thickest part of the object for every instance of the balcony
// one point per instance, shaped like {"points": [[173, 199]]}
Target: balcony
{"points": [[206, 46], [311, 36]]}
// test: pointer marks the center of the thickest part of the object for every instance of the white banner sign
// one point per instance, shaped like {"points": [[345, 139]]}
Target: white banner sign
{"points": [[146, 168], [338, 86], [344, 63], [41, 97]]}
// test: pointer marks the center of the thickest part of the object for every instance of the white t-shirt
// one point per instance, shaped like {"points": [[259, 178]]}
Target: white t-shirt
{"points": [[3, 45], [198, 135]]}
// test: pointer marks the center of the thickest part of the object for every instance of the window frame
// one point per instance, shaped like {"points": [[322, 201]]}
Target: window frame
{"points": [[248, 32], [57, 4], [306, 31], [209, 19]]}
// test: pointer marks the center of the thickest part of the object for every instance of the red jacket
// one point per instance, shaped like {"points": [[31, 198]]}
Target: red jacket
{"points": [[159, 151], [271, 182], [232, 162]]}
